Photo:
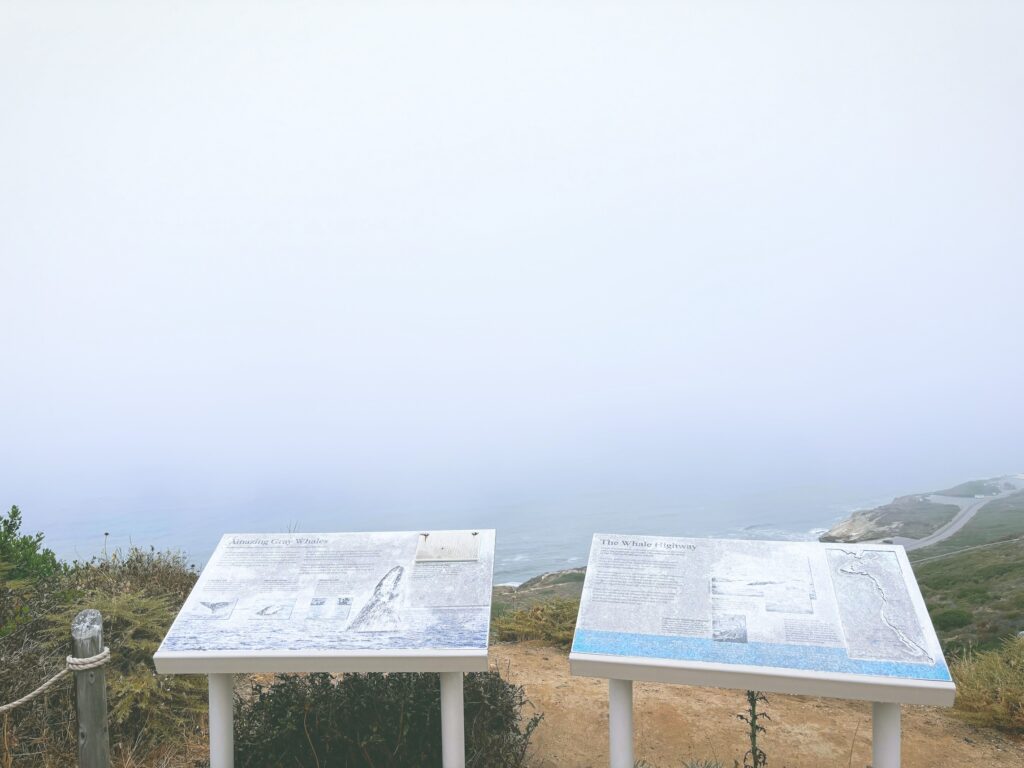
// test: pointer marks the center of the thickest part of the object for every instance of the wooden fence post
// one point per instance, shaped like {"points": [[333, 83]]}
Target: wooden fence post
{"points": [[90, 692]]}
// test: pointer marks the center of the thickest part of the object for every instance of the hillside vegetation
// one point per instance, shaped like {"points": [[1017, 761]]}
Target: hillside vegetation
{"points": [[976, 488], [560, 585], [976, 597], [973, 581]]}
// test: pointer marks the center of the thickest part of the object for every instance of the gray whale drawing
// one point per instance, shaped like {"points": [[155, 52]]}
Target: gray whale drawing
{"points": [[379, 615]]}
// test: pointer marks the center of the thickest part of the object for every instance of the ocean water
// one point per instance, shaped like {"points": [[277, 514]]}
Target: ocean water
{"points": [[533, 536]]}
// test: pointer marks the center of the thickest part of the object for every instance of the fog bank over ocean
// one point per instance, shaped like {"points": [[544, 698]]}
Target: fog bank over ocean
{"points": [[677, 268], [534, 536]]}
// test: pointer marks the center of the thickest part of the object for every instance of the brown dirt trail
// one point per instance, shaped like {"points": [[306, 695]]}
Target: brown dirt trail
{"points": [[673, 723]]}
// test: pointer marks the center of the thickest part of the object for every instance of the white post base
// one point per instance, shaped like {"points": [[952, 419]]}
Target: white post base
{"points": [[222, 725], [885, 735], [620, 723], [453, 730]]}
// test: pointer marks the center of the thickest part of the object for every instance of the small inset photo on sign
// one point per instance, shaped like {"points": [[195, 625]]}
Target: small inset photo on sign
{"points": [[442, 546], [329, 608], [271, 608], [212, 607], [729, 627]]}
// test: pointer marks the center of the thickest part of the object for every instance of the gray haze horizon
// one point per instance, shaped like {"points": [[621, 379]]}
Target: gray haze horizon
{"points": [[679, 268]]}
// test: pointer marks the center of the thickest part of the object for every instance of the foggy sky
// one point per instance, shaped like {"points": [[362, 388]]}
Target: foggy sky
{"points": [[381, 255]]}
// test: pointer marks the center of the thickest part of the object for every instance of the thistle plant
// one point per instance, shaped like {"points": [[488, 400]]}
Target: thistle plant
{"points": [[755, 757]]}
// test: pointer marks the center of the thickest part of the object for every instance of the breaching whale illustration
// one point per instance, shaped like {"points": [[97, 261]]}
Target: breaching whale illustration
{"points": [[379, 614]]}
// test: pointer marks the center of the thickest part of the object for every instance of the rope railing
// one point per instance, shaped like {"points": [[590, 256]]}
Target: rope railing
{"points": [[71, 665]]}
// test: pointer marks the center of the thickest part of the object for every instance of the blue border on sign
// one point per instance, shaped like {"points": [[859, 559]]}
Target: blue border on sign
{"points": [[783, 656]]}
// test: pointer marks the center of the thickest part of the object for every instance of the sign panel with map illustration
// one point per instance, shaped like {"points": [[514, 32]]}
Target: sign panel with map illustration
{"points": [[413, 601], [792, 617]]}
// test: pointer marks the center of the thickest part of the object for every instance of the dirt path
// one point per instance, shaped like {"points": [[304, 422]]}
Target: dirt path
{"points": [[674, 723]]}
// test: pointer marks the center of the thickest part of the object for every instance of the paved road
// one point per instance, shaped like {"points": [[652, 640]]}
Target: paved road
{"points": [[962, 518]]}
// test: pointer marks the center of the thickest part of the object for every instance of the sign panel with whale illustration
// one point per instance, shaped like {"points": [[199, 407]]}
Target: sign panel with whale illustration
{"points": [[792, 617], [412, 601]]}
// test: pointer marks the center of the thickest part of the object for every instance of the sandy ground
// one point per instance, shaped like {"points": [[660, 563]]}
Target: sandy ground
{"points": [[673, 723]]}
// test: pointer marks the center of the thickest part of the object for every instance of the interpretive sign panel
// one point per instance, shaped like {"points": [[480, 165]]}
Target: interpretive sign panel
{"points": [[842, 620], [337, 602]]}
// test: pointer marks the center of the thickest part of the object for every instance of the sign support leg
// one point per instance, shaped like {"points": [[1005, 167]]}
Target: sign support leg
{"points": [[885, 735], [453, 730], [222, 726], [620, 723]]}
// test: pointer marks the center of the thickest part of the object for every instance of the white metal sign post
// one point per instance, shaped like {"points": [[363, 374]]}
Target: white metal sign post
{"points": [[222, 727], [620, 722], [838, 620], [453, 730], [885, 735], [337, 602]]}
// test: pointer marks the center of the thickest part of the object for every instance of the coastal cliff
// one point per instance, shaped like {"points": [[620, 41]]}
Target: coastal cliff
{"points": [[918, 515], [908, 516]]}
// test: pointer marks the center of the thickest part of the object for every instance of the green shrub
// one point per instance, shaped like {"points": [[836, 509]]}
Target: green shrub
{"points": [[25, 553], [150, 716], [553, 622], [377, 721], [990, 686], [23, 563], [14, 598], [952, 618]]}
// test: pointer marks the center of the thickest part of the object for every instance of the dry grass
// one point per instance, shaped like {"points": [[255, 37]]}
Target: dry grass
{"points": [[990, 686], [552, 622]]}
